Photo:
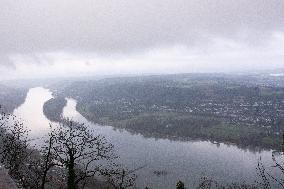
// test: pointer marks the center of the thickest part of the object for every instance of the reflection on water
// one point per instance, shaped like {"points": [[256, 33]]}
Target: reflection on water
{"points": [[176, 160], [188, 161], [31, 112]]}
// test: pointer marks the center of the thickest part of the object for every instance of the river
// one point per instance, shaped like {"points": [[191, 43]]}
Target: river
{"points": [[179, 160]]}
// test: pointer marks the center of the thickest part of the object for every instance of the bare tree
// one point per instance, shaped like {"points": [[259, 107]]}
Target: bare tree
{"points": [[78, 150], [48, 160], [70, 145], [267, 178], [208, 183], [24, 163], [262, 174], [120, 178], [14, 148]]}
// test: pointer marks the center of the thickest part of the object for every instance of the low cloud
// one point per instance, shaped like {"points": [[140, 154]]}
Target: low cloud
{"points": [[46, 37], [223, 55]]}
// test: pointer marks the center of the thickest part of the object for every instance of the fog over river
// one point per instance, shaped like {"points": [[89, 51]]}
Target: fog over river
{"points": [[180, 160]]}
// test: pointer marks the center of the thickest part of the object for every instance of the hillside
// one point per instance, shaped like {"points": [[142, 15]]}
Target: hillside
{"points": [[11, 97], [246, 110]]}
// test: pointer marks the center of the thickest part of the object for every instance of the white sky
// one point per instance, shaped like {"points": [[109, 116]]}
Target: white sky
{"points": [[97, 37]]}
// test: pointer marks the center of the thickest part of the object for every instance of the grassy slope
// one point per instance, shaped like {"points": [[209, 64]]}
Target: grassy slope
{"points": [[174, 125]]}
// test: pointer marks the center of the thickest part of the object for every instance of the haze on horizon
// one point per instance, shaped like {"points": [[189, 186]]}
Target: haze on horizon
{"points": [[46, 38]]}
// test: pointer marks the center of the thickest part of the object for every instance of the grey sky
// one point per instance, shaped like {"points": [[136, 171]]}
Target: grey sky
{"points": [[38, 31]]}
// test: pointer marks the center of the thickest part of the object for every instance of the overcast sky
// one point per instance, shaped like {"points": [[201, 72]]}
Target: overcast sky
{"points": [[97, 37]]}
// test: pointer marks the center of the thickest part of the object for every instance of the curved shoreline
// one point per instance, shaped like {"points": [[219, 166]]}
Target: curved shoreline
{"points": [[53, 109], [152, 133]]}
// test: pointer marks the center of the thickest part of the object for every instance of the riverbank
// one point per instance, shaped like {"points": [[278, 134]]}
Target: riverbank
{"points": [[189, 127], [222, 108], [182, 160], [176, 126]]}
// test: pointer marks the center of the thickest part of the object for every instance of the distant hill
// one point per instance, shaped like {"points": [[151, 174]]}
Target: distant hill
{"points": [[11, 98], [243, 109]]}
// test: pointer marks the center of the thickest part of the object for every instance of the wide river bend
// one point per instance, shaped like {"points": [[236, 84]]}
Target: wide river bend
{"points": [[179, 160]]}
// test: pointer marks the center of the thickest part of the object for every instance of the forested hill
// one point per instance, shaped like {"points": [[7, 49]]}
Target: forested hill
{"points": [[11, 97], [244, 109]]}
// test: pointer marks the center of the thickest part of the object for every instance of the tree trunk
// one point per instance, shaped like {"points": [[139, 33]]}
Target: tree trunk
{"points": [[46, 165], [71, 174], [43, 180]]}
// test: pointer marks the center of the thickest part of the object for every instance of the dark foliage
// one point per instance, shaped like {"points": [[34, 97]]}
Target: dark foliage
{"points": [[53, 108]]}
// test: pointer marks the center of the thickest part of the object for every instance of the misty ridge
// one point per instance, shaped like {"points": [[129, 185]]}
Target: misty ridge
{"points": [[142, 94]]}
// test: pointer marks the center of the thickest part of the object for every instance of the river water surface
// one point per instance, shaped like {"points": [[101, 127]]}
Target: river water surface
{"points": [[179, 160]]}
